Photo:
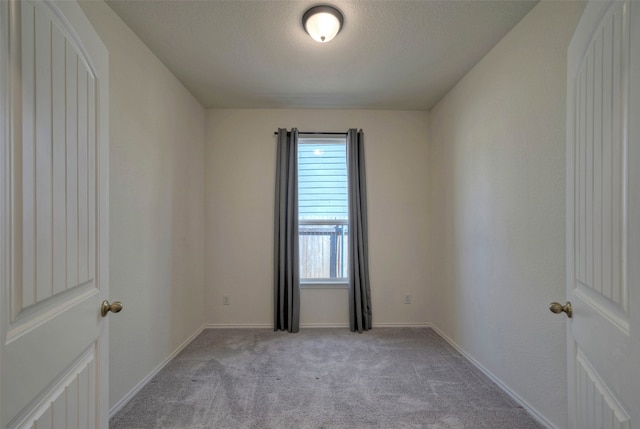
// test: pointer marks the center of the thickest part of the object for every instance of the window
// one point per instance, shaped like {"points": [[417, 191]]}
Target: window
{"points": [[323, 209]]}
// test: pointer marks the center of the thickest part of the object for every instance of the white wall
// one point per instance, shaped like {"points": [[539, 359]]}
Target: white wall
{"points": [[156, 206], [240, 169], [497, 200]]}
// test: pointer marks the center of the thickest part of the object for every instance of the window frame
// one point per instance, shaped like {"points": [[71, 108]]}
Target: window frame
{"points": [[325, 283]]}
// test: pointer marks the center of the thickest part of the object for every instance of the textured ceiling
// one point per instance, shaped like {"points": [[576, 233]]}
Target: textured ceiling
{"points": [[390, 54]]}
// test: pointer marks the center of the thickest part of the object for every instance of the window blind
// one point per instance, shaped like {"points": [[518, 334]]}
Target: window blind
{"points": [[322, 179]]}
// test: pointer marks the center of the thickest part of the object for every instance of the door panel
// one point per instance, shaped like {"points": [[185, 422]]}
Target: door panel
{"points": [[602, 192], [57, 204], [53, 360], [599, 172], [596, 405], [70, 402]]}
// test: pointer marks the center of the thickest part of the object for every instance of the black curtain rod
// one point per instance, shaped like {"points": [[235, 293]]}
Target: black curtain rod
{"points": [[275, 133]]}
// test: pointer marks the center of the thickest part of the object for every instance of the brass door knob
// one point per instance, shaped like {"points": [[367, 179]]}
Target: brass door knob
{"points": [[116, 307], [558, 308]]}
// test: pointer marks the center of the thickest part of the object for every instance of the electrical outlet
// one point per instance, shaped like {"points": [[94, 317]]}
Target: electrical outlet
{"points": [[225, 299], [407, 299]]}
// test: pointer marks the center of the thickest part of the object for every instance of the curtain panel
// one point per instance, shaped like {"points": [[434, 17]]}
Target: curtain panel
{"points": [[359, 288], [286, 243]]}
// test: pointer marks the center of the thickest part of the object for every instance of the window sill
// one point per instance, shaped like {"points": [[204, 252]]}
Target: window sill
{"points": [[323, 284]]}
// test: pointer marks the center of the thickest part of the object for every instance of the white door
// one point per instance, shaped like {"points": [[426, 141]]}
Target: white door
{"points": [[53, 207], [603, 217]]}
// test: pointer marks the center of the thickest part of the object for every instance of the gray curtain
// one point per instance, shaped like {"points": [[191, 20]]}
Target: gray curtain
{"points": [[359, 289], [286, 258]]}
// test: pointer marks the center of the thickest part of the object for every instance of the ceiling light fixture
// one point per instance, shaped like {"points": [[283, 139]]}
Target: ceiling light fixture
{"points": [[322, 22]]}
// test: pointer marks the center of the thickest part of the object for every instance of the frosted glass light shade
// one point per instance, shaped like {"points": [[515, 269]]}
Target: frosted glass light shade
{"points": [[322, 23]]}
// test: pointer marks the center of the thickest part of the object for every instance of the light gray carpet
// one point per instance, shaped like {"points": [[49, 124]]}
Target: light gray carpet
{"points": [[321, 378]]}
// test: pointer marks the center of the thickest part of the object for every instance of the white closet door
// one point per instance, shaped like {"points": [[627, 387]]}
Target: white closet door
{"points": [[53, 202], [603, 217]]}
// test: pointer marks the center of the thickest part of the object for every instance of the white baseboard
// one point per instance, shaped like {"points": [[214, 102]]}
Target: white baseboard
{"points": [[237, 326], [315, 325], [324, 325], [260, 326], [402, 325], [534, 413], [126, 398]]}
